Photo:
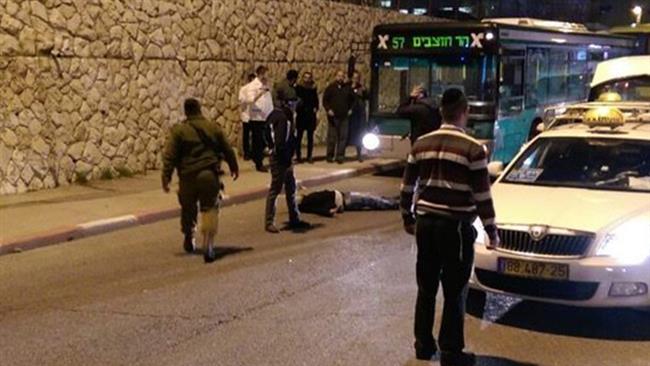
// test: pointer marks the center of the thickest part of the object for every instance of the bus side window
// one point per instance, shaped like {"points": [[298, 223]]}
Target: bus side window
{"points": [[511, 88]]}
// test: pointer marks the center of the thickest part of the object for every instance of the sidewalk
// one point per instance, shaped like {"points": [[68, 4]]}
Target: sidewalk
{"points": [[53, 216]]}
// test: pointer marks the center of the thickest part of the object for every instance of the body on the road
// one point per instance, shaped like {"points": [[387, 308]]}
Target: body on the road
{"points": [[330, 202], [449, 170], [338, 100], [195, 149]]}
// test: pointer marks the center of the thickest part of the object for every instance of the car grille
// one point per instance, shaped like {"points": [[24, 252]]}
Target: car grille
{"points": [[549, 289], [551, 244]]}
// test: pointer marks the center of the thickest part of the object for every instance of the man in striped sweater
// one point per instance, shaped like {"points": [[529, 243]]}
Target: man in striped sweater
{"points": [[447, 172]]}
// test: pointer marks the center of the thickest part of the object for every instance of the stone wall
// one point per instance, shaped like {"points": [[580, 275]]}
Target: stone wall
{"points": [[90, 87]]}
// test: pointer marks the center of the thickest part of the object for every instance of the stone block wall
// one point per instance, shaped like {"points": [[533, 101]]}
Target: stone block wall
{"points": [[90, 87]]}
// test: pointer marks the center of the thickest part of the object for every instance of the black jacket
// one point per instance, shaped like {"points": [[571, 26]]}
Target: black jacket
{"points": [[305, 115], [320, 203], [424, 116], [281, 135], [339, 98]]}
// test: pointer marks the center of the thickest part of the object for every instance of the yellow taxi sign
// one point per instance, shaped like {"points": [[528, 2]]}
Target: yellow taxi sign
{"points": [[605, 117], [610, 97]]}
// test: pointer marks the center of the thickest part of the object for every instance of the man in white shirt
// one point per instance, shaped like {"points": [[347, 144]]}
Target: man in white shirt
{"points": [[245, 118], [257, 96]]}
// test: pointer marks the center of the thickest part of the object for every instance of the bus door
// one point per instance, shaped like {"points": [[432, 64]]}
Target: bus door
{"points": [[513, 121]]}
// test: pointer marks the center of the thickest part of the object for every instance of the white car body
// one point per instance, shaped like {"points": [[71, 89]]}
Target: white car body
{"points": [[528, 210]]}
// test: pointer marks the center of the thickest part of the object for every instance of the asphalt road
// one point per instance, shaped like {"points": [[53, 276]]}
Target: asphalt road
{"points": [[340, 294]]}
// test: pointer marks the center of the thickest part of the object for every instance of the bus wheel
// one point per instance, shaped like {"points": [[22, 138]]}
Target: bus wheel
{"points": [[534, 131]]}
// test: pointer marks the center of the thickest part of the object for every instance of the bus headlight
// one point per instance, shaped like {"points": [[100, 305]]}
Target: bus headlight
{"points": [[629, 242], [370, 141]]}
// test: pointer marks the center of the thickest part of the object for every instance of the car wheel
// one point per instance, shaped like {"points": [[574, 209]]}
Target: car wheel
{"points": [[475, 304]]}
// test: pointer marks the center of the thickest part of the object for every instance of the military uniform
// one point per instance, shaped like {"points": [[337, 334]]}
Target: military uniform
{"points": [[197, 166]]}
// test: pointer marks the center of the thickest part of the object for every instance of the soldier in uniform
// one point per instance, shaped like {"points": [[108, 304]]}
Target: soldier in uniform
{"points": [[195, 149]]}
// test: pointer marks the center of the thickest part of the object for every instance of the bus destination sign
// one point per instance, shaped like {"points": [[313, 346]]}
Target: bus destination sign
{"points": [[475, 41]]}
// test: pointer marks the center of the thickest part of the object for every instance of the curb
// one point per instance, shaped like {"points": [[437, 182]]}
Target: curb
{"points": [[103, 226]]}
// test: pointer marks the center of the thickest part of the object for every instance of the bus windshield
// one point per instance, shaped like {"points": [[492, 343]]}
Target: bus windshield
{"points": [[475, 76]]}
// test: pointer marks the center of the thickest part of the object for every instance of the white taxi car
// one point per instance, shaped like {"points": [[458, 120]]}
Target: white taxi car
{"points": [[573, 212]]}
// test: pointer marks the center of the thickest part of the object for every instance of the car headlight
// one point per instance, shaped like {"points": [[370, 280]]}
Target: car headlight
{"points": [[629, 242]]}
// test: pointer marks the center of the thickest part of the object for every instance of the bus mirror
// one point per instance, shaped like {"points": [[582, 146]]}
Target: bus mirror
{"points": [[495, 168]]}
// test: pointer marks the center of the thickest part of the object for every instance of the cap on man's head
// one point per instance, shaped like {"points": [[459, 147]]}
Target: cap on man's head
{"points": [[192, 107]]}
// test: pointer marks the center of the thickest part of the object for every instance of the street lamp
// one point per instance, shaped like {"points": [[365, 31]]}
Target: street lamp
{"points": [[638, 12]]}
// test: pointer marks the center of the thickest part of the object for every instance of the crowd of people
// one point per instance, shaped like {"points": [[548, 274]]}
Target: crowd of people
{"points": [[344, 102], [445, 186]]}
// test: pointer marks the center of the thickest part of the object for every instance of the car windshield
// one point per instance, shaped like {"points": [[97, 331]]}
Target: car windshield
{"points": [[630, 90], [594, 163]]}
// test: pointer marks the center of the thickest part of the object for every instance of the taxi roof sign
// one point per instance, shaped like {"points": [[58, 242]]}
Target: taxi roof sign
{"points": [[604, 117]]}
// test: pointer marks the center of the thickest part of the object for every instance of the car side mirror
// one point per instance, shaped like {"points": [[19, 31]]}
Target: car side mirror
{"points": [[495, 168]]}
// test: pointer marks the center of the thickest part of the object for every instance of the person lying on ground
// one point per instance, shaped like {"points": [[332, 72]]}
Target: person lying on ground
{"points": [[330, 202]]}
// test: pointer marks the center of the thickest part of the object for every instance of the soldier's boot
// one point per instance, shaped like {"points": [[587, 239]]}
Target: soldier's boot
{"points": [[209, 227]]}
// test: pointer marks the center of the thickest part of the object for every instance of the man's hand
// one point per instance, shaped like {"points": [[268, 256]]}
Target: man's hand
{"points": [[409, 228], [494, 242], [330, 113], [234, 174], [165, 186]]}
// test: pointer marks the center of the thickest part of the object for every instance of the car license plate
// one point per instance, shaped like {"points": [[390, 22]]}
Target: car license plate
{"points": [[549, 271]]}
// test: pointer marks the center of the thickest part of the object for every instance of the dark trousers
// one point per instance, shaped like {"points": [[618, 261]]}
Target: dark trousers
{"points": [[445, 254], [281, 177], [310, 143], [357, 201], [337, 138], [196, 190], [246, 137], [257, 130]]}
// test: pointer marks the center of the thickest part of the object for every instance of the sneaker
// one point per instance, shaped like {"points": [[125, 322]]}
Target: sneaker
{"points": [[272, 229], [340, 161], [262, 169], [457, 359], [188, 244], [209, 255], [299, 225], [330, 160], [310, 160]]}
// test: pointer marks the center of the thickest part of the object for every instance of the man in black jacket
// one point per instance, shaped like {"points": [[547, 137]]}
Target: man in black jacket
{"points": [[306, 120], [282, 141], [338, 101], [422, 111]]}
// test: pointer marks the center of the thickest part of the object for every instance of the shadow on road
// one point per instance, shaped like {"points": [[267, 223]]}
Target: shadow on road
{"points": [[302, 231], [595, 323], [221, 251], [480, 361]]}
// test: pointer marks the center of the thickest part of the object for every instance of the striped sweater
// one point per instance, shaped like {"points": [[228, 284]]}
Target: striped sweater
{"points": [[447, 173]]}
